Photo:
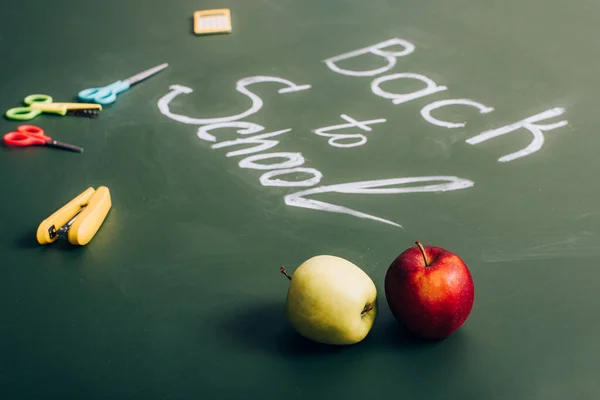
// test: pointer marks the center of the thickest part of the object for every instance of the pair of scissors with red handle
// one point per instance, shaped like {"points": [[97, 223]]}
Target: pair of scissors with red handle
{"points": [[31, 135]]}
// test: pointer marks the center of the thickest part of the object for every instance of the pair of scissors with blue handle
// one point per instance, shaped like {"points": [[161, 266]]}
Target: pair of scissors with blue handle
{"points": [[108, 94], [104, 95], [27, 113]]}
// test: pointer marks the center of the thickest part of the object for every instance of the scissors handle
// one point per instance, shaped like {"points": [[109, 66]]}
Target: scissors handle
{"points": [[104, 95], [22, 113], [26, 135], [27, 113], [38, 98]]}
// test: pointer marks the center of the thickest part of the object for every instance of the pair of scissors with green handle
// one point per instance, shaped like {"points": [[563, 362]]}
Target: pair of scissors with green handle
{"points": [[108, 94], [40, 103]]}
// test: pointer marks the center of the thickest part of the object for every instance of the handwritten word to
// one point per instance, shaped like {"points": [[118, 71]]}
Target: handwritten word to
{"points": [[256, 147], [381, 50], [335, 138]]}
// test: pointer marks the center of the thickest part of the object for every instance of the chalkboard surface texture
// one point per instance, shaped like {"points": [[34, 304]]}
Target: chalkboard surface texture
{"points": [[341, 127]]}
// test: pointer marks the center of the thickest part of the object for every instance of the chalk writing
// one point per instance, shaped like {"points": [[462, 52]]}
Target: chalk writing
{"points": [[278, 165], [426, 111], [376, 50], [266, 178], [335, 139], [299, 199], [529, 124], [257, 103], [432, 88], [246, 128], [260, 140], [293, 162]]}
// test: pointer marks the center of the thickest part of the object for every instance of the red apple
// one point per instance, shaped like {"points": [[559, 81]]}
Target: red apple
{"points": [[430, 291]]}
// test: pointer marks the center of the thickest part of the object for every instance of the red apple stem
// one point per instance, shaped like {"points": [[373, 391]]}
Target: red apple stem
{"points": [[422, 252], [283, 271], [367, 308]]}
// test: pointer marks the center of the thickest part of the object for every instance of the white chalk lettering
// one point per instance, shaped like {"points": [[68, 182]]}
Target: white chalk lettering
{"points": [[529, 124], [257, 103], [375, 49], [266, 178], [293, 160], [426, 111], [246, 128], [336, 138], [260, 140], [381, 186], [431, 88]]}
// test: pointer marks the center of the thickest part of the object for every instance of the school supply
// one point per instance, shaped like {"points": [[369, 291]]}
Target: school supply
{"points": [[42, 103], [79, 219], [108, 94], [212, 21], [31, 135]]}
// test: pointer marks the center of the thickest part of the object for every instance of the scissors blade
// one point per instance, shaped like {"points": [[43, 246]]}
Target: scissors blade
{"points": [[65, 228], [64, 146], [145, 74]]}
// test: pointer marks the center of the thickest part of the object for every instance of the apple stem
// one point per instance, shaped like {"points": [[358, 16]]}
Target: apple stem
{"points": [[422, 252], [283, 271], [367, 308]]}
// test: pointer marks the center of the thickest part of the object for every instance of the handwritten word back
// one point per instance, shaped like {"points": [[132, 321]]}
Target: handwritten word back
{"points": [[530, 124], [257, 147]]}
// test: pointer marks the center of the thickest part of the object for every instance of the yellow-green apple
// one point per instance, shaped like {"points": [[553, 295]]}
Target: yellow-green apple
{"points": [[331, 300], [430, 291]]}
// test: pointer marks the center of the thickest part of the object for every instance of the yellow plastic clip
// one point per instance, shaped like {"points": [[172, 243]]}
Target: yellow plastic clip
{"points": [[81, 218]]}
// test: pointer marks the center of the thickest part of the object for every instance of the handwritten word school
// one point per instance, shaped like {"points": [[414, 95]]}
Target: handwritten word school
{"points": [[293, 163]]}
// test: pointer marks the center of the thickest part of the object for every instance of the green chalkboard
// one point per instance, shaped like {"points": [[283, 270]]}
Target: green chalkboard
{"points": [[469, 125]]}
